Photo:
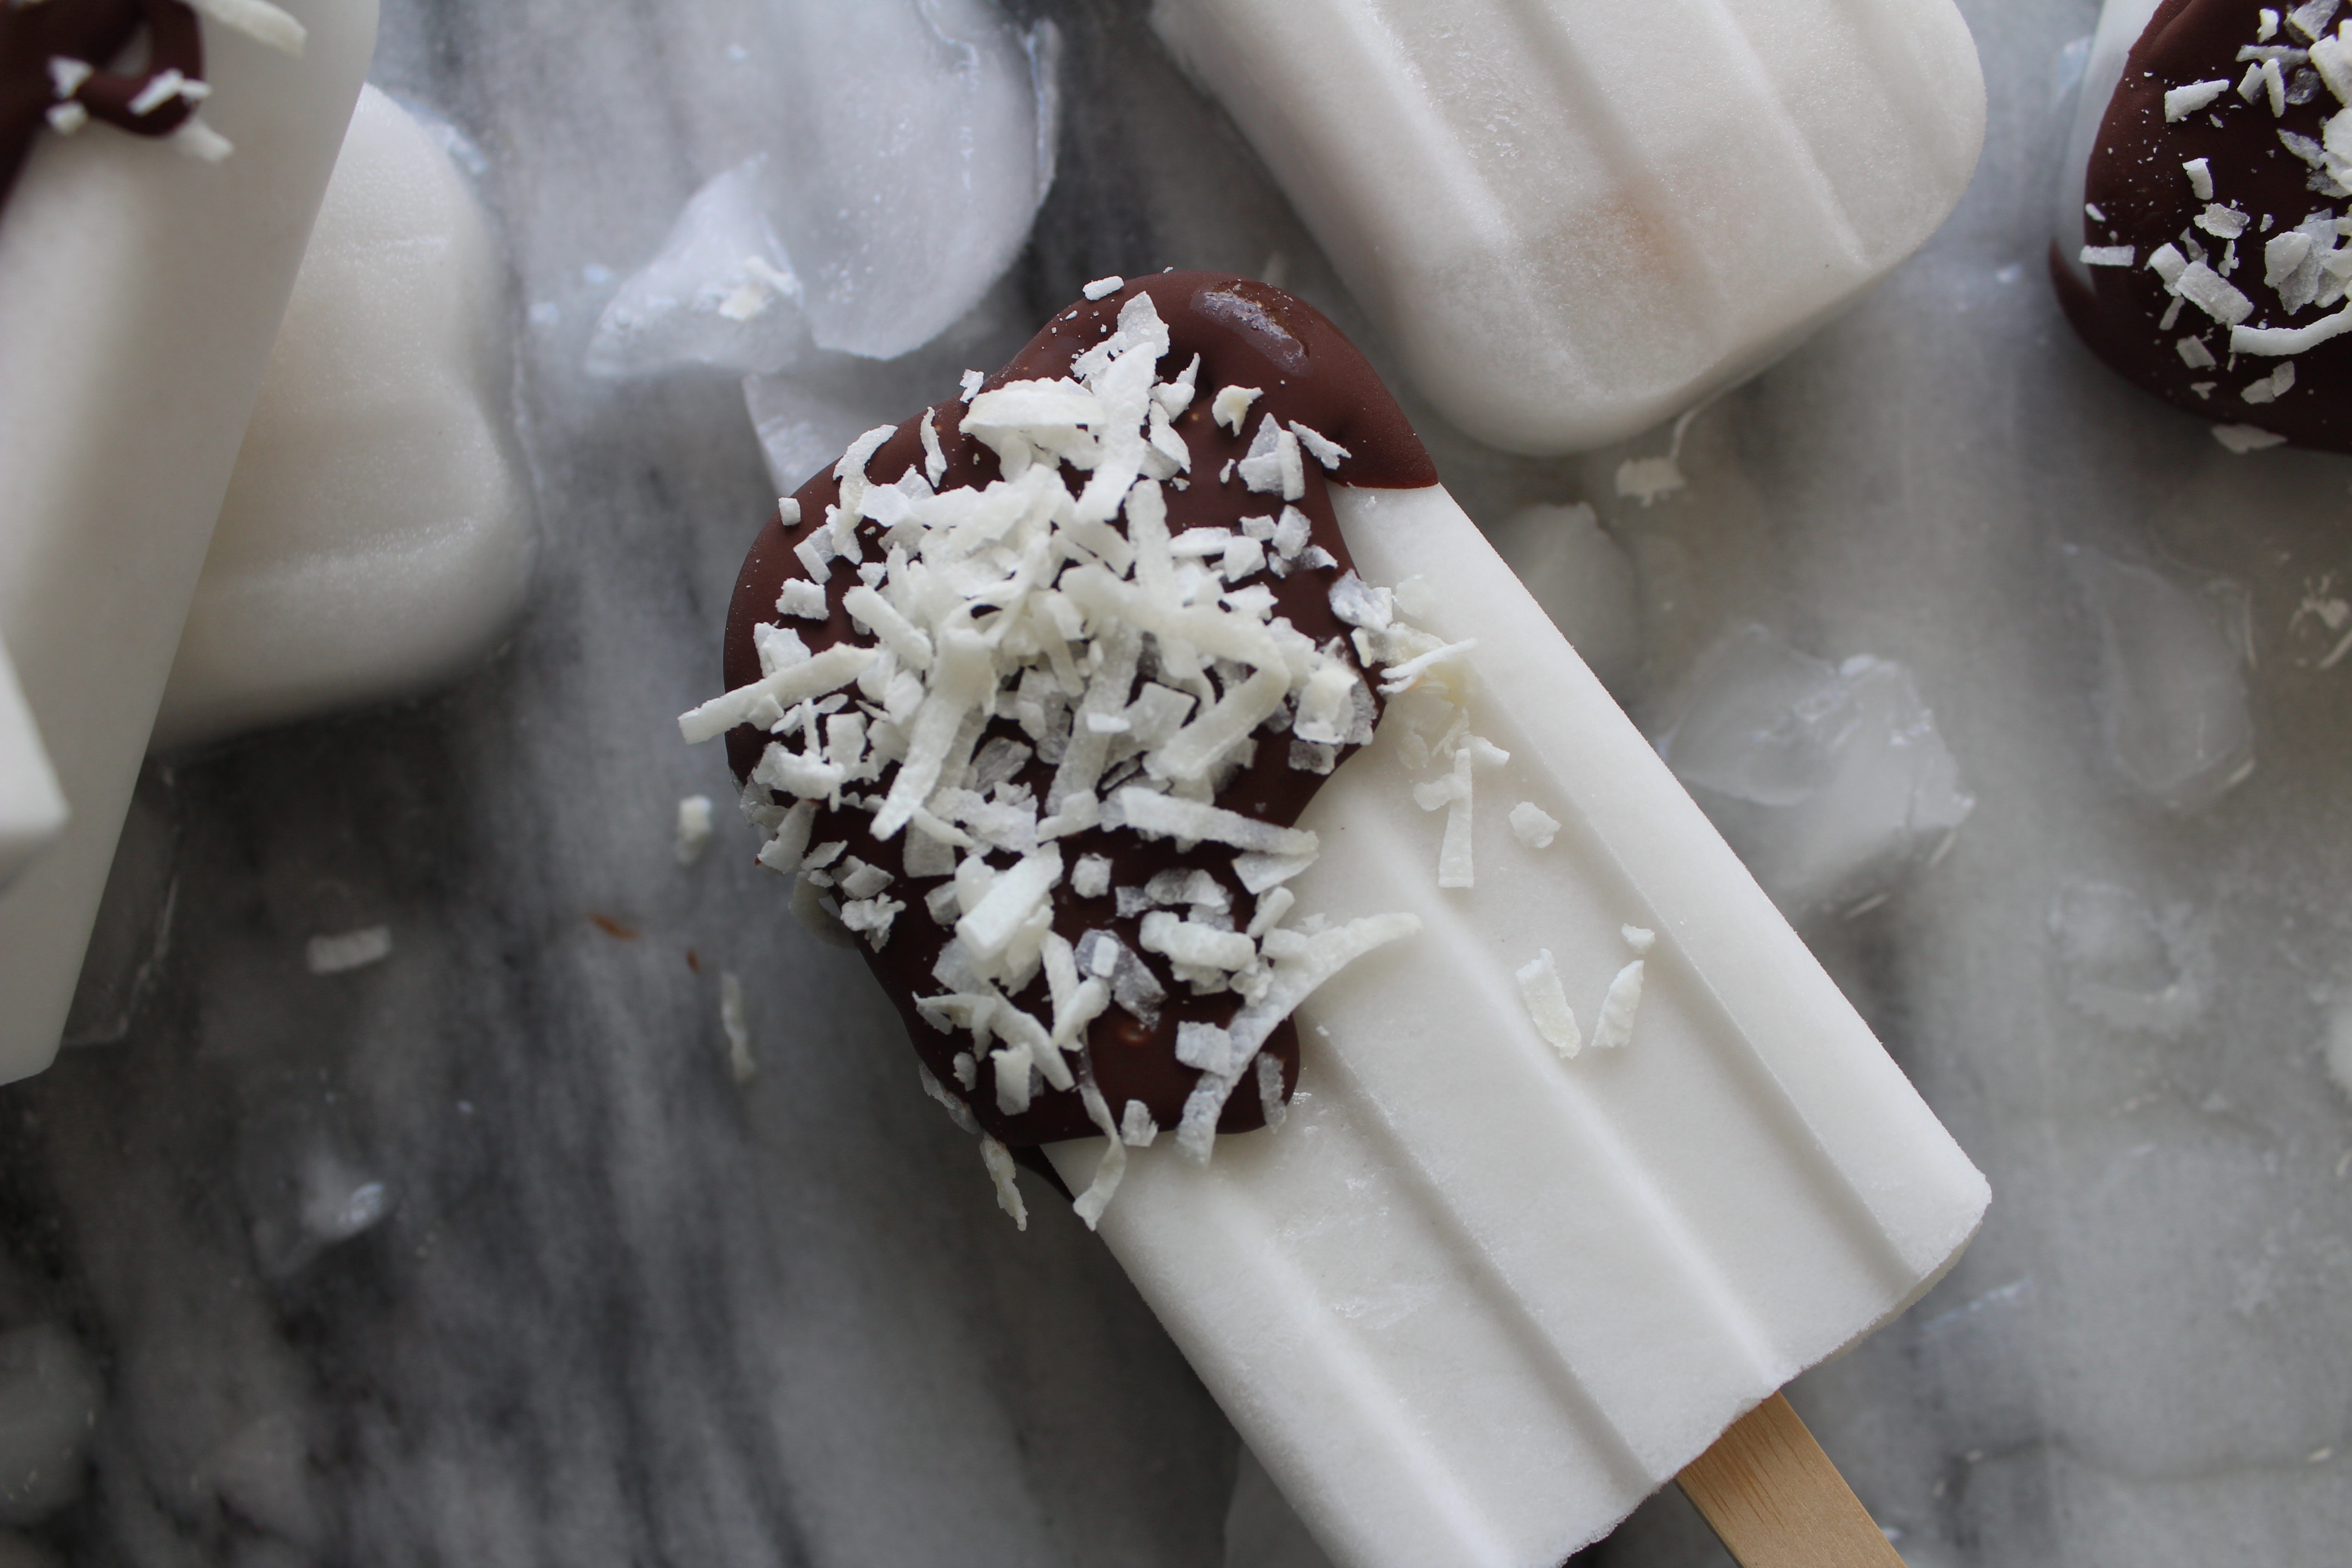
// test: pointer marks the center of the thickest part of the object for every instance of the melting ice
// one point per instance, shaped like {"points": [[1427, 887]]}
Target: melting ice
{"points": [[2130, 961], [1830, 780], [2171, 692], [912, 141]]}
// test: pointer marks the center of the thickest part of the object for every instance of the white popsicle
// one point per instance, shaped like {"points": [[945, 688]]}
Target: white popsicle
{"points": [[1574, 218], [1473, 1302], [140, 290], [376, 536], [2121, 22]]}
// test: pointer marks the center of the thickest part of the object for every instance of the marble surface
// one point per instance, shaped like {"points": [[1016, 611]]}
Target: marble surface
{"points": [[482, 1253]]}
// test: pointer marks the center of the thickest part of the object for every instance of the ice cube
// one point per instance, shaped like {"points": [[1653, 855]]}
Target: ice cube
{"points": [[913, 141], [1584, 581], [2128, 962], [2171, 693], [720, 292], [305, 1191], [1830, 780]]}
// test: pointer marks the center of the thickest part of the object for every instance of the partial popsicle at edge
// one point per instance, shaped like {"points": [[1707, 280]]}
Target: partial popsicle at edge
{"points": [[140, 290], [1575, 219]]}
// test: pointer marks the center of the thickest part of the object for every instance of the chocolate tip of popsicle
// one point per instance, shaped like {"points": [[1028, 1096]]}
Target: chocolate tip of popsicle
{"points": [[1310, 383]]}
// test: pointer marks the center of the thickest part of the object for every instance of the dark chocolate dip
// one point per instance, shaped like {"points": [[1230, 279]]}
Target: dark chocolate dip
{"points": [[2139, 195], [1247, 334], [93, 33]]}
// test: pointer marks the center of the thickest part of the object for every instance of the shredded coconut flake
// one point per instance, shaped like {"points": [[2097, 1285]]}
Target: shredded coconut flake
{"points": [[1547, 1006], [998, 1160], [1534, 826], [2180, 102], [349, 950], [693, 828], [1614, 1027], [736, 1031]]}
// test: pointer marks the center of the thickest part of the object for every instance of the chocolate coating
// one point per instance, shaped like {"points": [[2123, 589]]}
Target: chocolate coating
{"points": [[94, 31], [1248, 334], [2135, 178]]}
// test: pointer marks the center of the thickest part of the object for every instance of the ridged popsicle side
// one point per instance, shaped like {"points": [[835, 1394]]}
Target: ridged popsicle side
{"points": [[1473, 1302], [1573, 217]]}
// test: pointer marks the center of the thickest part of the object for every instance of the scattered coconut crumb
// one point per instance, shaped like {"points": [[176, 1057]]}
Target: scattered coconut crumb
{"points": [[738, 1032], [1548, 1005], [348, 950], [693, 828], [1535, 826], [1269, 1090], [1135, 1127], [1647, 479], [2201, 179], [1638, 937], [2107, 255], [2269, 388], [2244, 438], [998, 1161], [2180, 102], [1102, 288], [1231, 405], [972, 381], [1615, 1025]]}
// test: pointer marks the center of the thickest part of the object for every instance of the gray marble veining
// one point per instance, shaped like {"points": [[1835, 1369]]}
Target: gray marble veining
{"points": [[482, 1253]]}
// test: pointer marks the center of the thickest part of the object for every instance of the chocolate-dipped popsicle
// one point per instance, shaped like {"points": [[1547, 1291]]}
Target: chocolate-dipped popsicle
{"points": [[2201, 237], [1492, 1278]]}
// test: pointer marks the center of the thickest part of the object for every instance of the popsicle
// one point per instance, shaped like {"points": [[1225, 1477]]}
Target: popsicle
{"points": [[2203, 214], [376, 537], [139, 288], [1183, 758], [1574, 218]]}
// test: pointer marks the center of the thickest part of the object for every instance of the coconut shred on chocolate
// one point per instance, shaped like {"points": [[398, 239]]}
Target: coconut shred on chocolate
{"points": [[56, 69], [2218, 205], [1030, 691]]}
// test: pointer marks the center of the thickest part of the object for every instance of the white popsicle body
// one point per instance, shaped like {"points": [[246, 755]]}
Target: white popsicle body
{"points": [[2121, 22], [1575, 219], [139, 292], [1471, 1301], [376, 536]]}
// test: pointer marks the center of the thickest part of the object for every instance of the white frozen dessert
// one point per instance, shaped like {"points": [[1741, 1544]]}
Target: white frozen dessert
{"points": [[376, 536], [1574, 218], [1479, 1297], [139, 288], [1586, 1155]]}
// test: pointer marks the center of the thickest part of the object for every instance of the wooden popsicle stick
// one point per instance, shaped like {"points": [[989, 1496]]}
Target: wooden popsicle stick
{"points": [[1777, 1501]]}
